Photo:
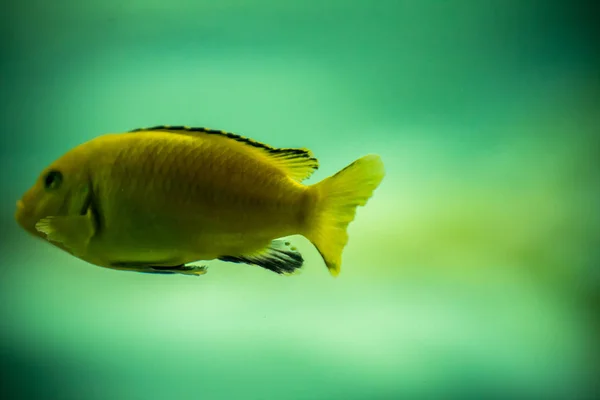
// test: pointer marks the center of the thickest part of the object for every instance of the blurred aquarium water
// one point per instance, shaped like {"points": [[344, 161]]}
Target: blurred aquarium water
{"points": [[471, 273]]}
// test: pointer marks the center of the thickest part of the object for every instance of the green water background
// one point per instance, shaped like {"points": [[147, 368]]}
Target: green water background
{"points": [[472, 272]]}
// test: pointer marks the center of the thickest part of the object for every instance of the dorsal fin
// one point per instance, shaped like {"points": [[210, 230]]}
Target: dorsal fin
{"points": [[299, 164]]}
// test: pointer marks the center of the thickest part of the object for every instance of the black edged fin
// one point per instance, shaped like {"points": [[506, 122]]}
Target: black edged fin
{"points": [[278, 257], [155, 269], [157, 272], [182, 269], [299, 164]]}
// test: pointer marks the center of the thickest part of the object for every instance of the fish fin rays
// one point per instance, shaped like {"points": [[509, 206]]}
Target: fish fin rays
{"points": [[299, 163], [278, 257], [182, 269], [155, 268], [340, 195], [72, 232]]}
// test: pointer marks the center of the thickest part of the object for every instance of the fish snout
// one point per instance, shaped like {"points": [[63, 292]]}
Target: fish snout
{"points": [[20, 209], [23, 216]]}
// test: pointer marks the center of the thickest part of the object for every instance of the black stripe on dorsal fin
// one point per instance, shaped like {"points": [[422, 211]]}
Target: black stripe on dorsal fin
{"points": [[299, 164]]}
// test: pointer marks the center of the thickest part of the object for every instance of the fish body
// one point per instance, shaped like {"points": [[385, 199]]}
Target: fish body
{"points": [[156, 199]]}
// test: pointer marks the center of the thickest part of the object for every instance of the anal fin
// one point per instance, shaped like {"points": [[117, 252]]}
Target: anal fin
{"points": [[277, 257]]}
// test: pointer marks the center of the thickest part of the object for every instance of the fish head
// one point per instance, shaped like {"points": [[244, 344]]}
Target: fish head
{"points": [[60, 189]]}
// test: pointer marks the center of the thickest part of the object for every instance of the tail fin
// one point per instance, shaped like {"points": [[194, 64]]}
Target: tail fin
{"points": [[338, 196]]}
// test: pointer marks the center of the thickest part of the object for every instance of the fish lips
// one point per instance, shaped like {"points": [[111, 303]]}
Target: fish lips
{"points": [[26, 219]]}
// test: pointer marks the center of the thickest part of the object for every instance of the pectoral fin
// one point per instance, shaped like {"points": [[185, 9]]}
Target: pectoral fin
{"points": [[72, 232]]}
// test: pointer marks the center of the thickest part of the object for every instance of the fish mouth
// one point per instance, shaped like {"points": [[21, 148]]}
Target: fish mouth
{"points": [[24, 218], [20, 213]]}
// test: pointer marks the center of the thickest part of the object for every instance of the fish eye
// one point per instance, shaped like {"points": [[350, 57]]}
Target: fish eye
{"points": [[53, 180]]}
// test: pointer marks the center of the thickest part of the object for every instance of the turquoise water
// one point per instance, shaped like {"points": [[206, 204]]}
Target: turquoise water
{"points": [[472, 272]]}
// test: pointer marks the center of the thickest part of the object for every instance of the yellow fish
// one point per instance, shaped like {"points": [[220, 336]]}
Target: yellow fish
{"points": [[155, 199]]}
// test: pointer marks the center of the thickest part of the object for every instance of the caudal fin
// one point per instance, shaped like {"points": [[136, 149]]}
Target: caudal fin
{"points": [[337, 199]]}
